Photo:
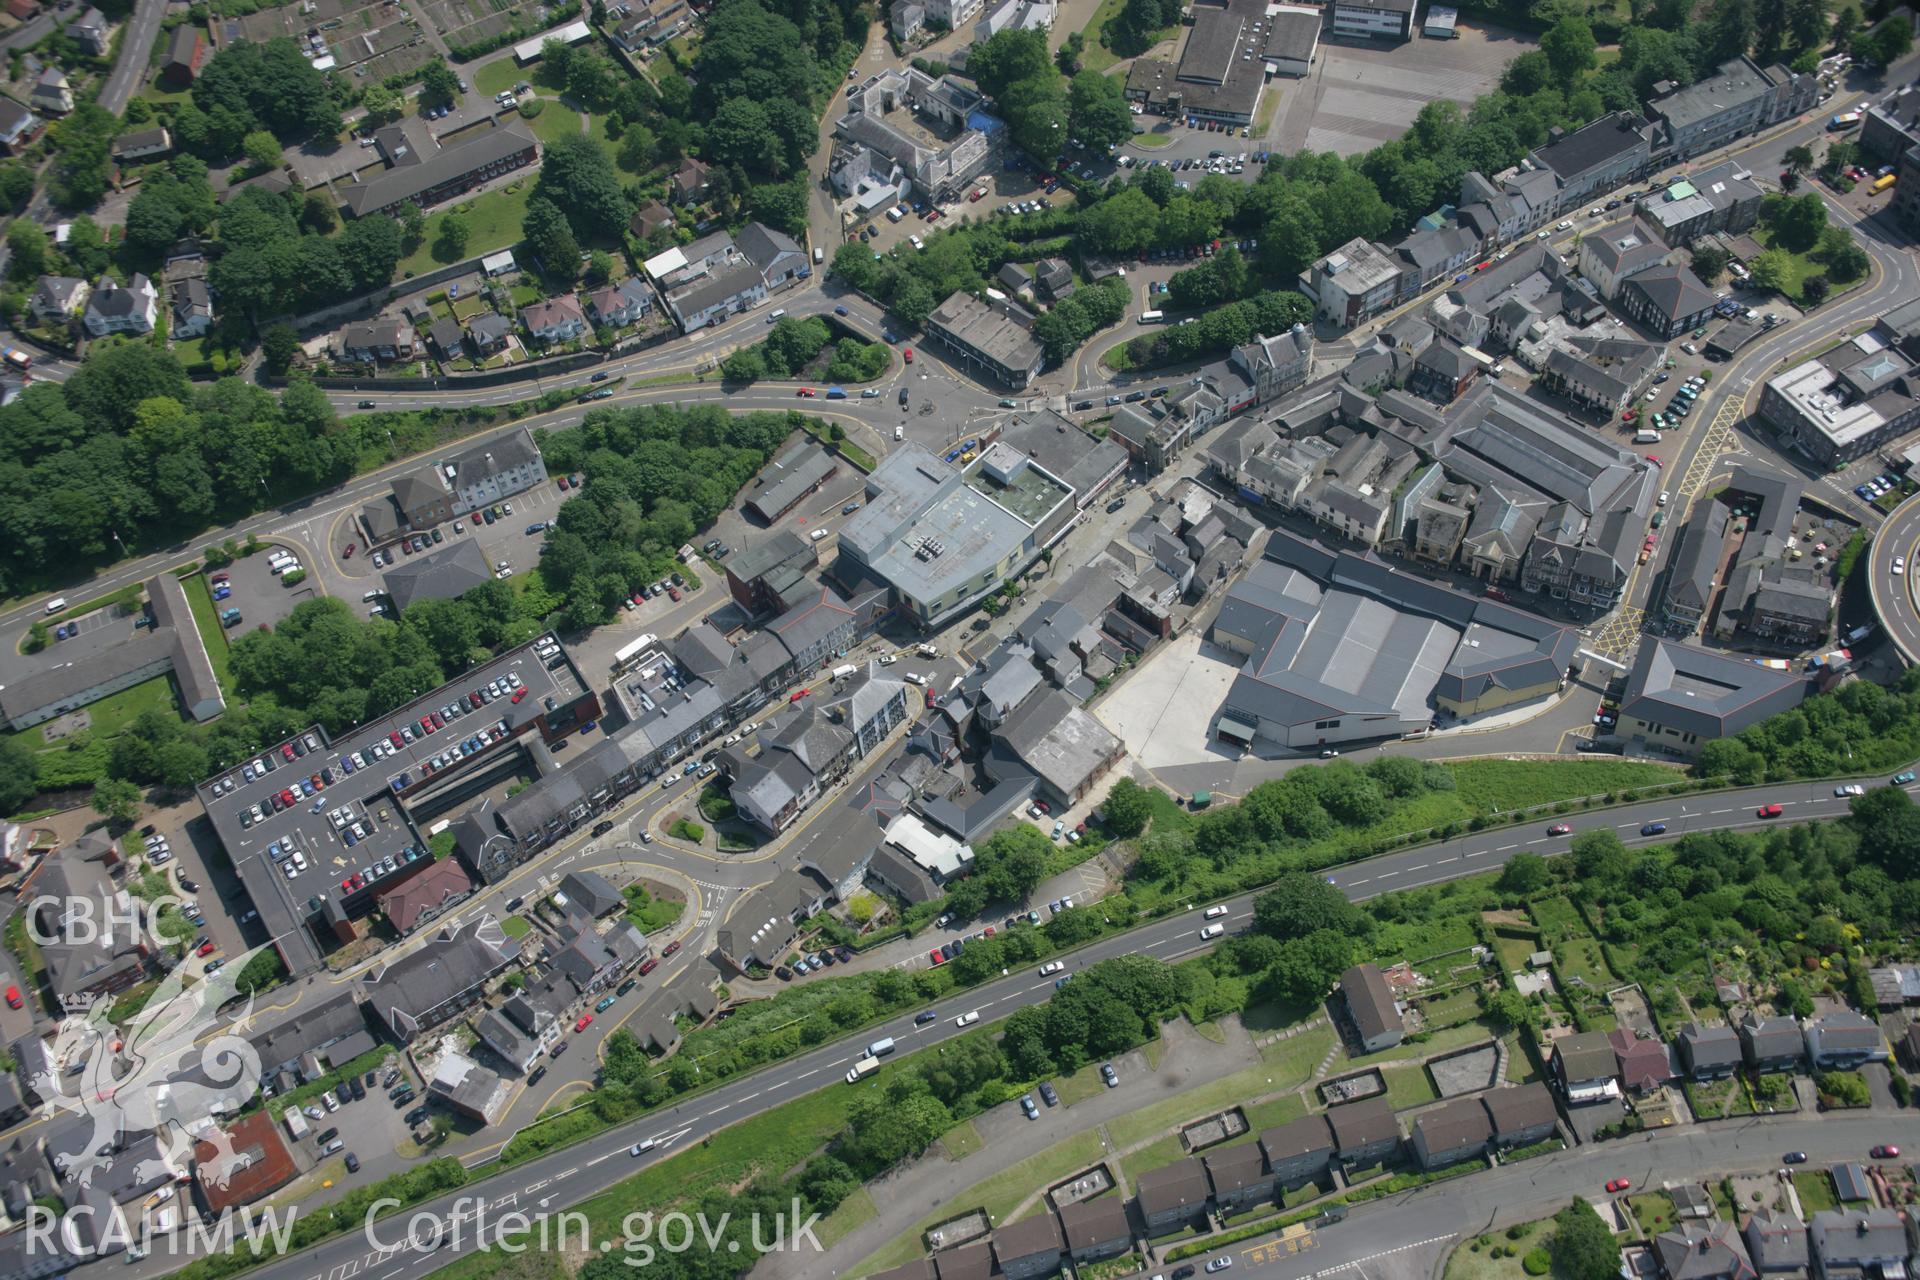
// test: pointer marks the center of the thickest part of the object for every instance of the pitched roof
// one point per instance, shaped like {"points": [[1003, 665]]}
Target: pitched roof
{"points": [[1370, 1001], [1362, 1123], [1674, 291], [406, 182], [441, 882], [1180, 1185], [445, 575], [1089, 1223], [1519, 1108]]}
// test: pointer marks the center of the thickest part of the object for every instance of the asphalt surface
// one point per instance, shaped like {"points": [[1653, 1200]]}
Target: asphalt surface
{"points": [[567, 1177], [136, 43], [1893, 600]]}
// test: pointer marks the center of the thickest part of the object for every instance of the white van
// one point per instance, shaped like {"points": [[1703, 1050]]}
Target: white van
{"points": [[57, 604], [1646, 435], [1215, 912], [1212, 931], [819, 255], [279, 557], [776, 315], [896, 213]]}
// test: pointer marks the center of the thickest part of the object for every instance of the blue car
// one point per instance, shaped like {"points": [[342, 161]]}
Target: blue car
{"points": [[839, 311], [1654, 829]]}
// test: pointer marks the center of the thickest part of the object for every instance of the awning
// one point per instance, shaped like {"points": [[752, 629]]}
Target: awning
{"points": [[1238, 730]]}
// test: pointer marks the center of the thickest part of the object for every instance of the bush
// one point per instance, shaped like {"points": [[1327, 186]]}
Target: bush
{"points": [[691, 832], [1537, 1262]]}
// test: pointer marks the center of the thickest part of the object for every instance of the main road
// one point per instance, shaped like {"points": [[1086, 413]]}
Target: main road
{"points": [[1893, 601], [553, 1182]]}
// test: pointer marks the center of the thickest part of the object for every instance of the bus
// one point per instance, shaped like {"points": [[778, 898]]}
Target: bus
{"points": [[1844, 121], [1152, 317], [631, 653], [18, 359], [1882, 183]]}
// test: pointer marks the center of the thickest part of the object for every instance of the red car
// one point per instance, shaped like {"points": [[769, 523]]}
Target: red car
{"points": [[799, 695], [1653, 459], [217, 577], [909, 355], [1559, 829], [670, 948], [585, 1019], [563, 483], [1619, 1184], [13, 998], [1885, 1151], [935, 956], [206, 948], [348, 553], [649, 965], [805, 391], [517, 695], [673, 593], [286, 752], [1768, 811]]}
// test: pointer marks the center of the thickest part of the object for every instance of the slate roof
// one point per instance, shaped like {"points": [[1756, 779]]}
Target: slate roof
{"points": [[1296, 1138], [1776, 1240], [1521, 1107], [1711, 1046], [1586, 1056], [1370, 1001], [1362, 1123], [1706, 693], [1173, 1187], [1702, 1251], [1674, 291], [444, 575]]}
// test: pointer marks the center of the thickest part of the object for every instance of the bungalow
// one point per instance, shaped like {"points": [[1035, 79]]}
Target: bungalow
{"points": [[1708, 1051], [555, 319], [620, 304], [1844, 1039], [1640, 1060], [1776, 1243], [1771, 1044], [1702, 1251]]}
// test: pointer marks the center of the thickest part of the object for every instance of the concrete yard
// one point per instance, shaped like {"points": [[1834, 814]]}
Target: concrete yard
{"points": [[1163, 711], [1364, 93]]}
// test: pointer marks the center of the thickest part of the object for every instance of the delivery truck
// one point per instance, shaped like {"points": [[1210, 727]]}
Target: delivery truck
{"points": [[862, 1069]]}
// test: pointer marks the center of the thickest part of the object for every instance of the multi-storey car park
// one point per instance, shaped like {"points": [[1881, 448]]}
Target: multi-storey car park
{"points": [[316, 825]]}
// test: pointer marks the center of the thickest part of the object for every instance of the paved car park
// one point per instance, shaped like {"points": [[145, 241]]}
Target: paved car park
{"points": [[1362, 94], [258, 592], [511, 537], [348, 828]]}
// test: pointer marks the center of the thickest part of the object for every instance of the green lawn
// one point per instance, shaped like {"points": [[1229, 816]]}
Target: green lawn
{"points": [[649, 913], [1150, 1121], [962, 1140], [497, 76], [1556, 916], [206, 616], [493, 222], [1799, 265], [997, 1195], [1815, 1189], [1489, 786], [1474, 1261], [555, 121], [117, 710], [856, 1211], [1409, 1086], [516, 927], [1153, 138]]}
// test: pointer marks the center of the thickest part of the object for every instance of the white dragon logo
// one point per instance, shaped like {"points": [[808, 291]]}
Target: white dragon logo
{"points": [[169, 1072]]}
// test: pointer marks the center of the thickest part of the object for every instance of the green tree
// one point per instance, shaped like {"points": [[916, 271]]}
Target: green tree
{"points": [[1814, 289], [1799, 158], [278, 346], [261, 149], [1300, 903], [19, 774], [1769, 269], [1709, 262], [382, 105], [16, 186], [1126, 809], [1510, 1010], [116, 800], [29, 245], [1097, 110], [551, 238], [1582, 1246], [1570, 48], [263, 970], [1886, 44], [454, 234], [577, 177], [439, 84], [1525, 873], [413, 224], [1305, 969]]}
